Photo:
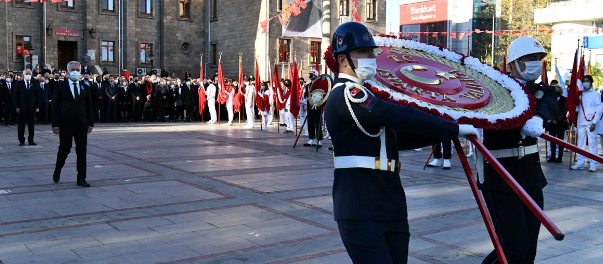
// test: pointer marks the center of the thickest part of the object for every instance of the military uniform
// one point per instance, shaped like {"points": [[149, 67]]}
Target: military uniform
{"points": [[516, 226], [369, 199]]}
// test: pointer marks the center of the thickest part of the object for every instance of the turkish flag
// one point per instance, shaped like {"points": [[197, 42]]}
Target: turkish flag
{"points": [[543, 75], [222, 94], [258, 84], [294, 106], [202, 99], [572, 92]]}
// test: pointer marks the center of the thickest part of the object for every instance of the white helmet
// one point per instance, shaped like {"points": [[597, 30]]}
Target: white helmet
{"points": [[523, 46]]}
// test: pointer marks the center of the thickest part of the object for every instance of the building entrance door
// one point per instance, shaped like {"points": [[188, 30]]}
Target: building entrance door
{"points": [[67, 53]]}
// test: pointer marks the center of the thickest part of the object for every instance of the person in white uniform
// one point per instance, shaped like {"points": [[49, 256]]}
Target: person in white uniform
{"points": [[589, 113], [211, 102], [249, 103], [229, 103]]}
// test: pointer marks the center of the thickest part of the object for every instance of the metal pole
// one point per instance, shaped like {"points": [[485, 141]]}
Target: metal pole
{"points": [[43, 29], [119, 38], [493, 18]]}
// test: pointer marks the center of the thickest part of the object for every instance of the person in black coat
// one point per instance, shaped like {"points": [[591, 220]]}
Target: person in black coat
{"points": [[73, 120], [369, 203], [162, 100], [558, 125], [194, 108], [44, 101], [124, 100], [516, 226], [98, 104], [7, 90], [188, 96], [26, 105], [138, 96], [111, 93]]}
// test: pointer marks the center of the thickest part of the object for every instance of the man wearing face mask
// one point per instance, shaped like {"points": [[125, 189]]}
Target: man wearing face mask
{"points": [[558, 125], [517, 151], [111, 92], [73, 120], [367, 133], [26, 105], [589, 113], [7, 90]]}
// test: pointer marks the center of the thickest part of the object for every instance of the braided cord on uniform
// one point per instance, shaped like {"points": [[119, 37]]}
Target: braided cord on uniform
{"points": [[349, 98]]}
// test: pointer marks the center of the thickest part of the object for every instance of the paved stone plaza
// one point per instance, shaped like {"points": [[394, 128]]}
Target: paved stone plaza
{"points": [[182, 193]]}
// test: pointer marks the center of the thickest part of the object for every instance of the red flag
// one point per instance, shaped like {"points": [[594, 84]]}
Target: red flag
{"points": [[572, 92], [222, 94], [355, 13], [452, 34], [282, 20], [294, 106], [258, 84], [461, 34], [543, 75], [239, 96], [202, 99]]}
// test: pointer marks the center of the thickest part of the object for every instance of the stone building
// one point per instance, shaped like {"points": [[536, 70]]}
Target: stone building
{"points": [[170, 34]]}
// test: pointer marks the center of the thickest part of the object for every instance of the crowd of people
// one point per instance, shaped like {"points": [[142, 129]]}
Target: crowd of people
{"points": [[125, 98]]}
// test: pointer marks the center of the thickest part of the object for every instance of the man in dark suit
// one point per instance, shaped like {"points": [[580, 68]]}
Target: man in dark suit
{"points": [[137, 95], [98, 104], [111, 93], [44, 92], [72, 119], [7, 89], [558, 125], [26, 105]]}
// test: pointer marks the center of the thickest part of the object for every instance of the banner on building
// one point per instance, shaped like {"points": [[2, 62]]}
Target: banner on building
{"points": [[424, 12], [307, 24]]}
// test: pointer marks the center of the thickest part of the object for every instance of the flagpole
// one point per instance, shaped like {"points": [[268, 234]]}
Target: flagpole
{"points": [[240, 84], [219, 104], [201, 85]]}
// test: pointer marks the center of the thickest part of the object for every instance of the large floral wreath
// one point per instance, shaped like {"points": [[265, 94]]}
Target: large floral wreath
{"points": [[524, 103]]}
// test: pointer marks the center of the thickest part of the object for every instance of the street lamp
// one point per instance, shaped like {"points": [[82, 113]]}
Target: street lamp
{"points": [[92, 33], [49, 30]]}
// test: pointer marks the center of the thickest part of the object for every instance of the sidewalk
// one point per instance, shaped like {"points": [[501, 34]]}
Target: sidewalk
{"points": [[198, 193]]}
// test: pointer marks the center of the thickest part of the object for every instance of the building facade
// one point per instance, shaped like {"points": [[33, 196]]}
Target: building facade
{"points": [[171, 34]]}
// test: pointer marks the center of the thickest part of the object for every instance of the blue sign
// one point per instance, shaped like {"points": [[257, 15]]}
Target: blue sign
{"points": [[593, 42]]}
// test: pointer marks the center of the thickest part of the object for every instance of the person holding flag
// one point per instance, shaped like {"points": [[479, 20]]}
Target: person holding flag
{"points": [[588, 114], [250, 102]]}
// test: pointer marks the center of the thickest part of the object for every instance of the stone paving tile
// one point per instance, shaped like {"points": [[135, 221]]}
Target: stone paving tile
{"points": [[110, 250], [62, 244], [166, 254], [62, 256]]}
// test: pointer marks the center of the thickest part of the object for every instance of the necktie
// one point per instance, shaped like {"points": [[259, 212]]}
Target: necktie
{"points": [[9, 87], [76, 93]]}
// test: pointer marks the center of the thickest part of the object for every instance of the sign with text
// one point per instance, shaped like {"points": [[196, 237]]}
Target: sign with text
{"points": [[424, 12], [68, 32]]}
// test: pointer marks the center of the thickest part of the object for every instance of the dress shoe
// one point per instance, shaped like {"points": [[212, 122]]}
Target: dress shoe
{"points": [[319, 144], [56, 177], [330, 148], [83, 183], [559, 160], [577, 166], [552, 159], [446, 165], [592, 168], [21, 144], [33, 143], [435, 163]]}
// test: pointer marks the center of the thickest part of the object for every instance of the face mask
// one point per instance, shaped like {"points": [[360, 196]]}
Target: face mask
{"points": [[586, 85], [112, 81], [46, 81], [74, 75], [532, 71], [8, 80], [367, 68], [27, 77], [188, 83]]}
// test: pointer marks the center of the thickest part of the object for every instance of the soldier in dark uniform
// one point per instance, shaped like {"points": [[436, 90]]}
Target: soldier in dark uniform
{"points": [[558, 125], [98, 93], [517, 151], [367, 133], [111, 94], [314, 117]]}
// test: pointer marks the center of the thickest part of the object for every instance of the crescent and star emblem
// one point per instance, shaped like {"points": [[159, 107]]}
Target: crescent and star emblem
{"points": [[408, 72]]}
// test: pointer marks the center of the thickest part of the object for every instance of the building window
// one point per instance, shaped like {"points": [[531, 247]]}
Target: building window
{"points": [[107, 51], [214, 9], [214, 54], [22, 2], [108, 5], [145, 53], [279, 5], [68, 4], [146, 7], [185, 8], [284, 50], [371, 9], [22, 43], [315, 52], [344, 7]]}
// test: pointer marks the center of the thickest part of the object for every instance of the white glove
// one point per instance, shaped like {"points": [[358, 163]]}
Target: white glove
{"points": [[532, 128], [467, 130]]}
